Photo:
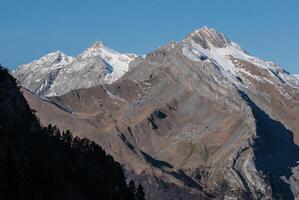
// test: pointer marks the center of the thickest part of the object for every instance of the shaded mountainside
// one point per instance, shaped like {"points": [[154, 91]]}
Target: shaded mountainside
{"points": [[43, 163], [195, 119]]}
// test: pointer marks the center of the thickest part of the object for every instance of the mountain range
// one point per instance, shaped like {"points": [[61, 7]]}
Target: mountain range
{"points": [[56, 73], [200, 118]]}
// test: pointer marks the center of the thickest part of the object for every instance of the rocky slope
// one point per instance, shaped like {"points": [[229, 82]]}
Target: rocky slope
{"points": [[198, 118], [43, 163], [56, 74]]}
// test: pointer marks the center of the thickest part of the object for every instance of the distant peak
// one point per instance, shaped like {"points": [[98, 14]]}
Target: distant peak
{"points": [[97, 44], [94, 50], [208, 36], [205, 28], [56, 54]]}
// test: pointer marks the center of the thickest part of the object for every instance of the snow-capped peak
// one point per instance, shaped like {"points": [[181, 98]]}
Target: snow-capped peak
{"points": [[97, 44], [51, 60], [38, 75], [207, 44], [52, 57], [118, 61], [93, 50], [57, 74], [208, 37]]}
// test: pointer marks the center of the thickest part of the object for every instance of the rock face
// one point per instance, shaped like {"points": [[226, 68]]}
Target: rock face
{"points": [[198, 118], [56, 74], [209, 38]]}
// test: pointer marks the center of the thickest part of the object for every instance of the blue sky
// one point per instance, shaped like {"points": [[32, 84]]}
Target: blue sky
{"points": [[30, 29]]}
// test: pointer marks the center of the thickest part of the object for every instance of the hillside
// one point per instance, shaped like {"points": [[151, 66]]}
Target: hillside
{"points": [[43, 163]]}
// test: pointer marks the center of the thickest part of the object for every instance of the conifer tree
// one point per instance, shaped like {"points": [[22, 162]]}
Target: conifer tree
{"points": [[140, 193]]}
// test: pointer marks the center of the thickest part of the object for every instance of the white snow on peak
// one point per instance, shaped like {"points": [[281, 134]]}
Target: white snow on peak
{"points": [[38, 75], [50, 61], [118, 61], [57, 74], [55, 56], [208, 37], [206, 29], [218, 56], [222, 54], [292, 78]]}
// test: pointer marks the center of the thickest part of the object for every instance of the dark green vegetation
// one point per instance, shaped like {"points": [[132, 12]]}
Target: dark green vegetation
{"points": [[44, 163]]}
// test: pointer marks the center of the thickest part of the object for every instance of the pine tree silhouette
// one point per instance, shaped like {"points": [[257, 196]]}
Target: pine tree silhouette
{"points": [[140, 193]]}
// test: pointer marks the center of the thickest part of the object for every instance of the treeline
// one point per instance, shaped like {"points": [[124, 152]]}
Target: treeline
{"points": [[45, 163]]}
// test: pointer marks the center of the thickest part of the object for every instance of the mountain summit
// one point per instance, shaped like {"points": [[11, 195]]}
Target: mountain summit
{"points": [[57, 74], [206, 36], [231, 59], [119, 62]]}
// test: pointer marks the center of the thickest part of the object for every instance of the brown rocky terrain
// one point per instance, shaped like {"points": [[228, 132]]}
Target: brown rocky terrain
{"points": [[187, 128]]}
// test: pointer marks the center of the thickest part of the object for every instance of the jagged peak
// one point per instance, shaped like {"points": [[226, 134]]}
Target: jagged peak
{"points": [[168, 46], [55, 56], [97, 44], [94, 50], [99, 49], [209, 36], [205, 28]]}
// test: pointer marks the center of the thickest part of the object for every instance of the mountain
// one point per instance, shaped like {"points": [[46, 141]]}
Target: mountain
{"points": [[230, 57], [43, 163], [195, 119], [296, 78], [57, 74]]}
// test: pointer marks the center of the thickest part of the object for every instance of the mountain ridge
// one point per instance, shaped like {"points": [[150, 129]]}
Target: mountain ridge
{"points": [[204, 43], [50, 70], [200, 114]]}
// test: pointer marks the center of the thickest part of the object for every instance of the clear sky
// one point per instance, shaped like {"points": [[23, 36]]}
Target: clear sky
{"points": [[30, 29]]}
